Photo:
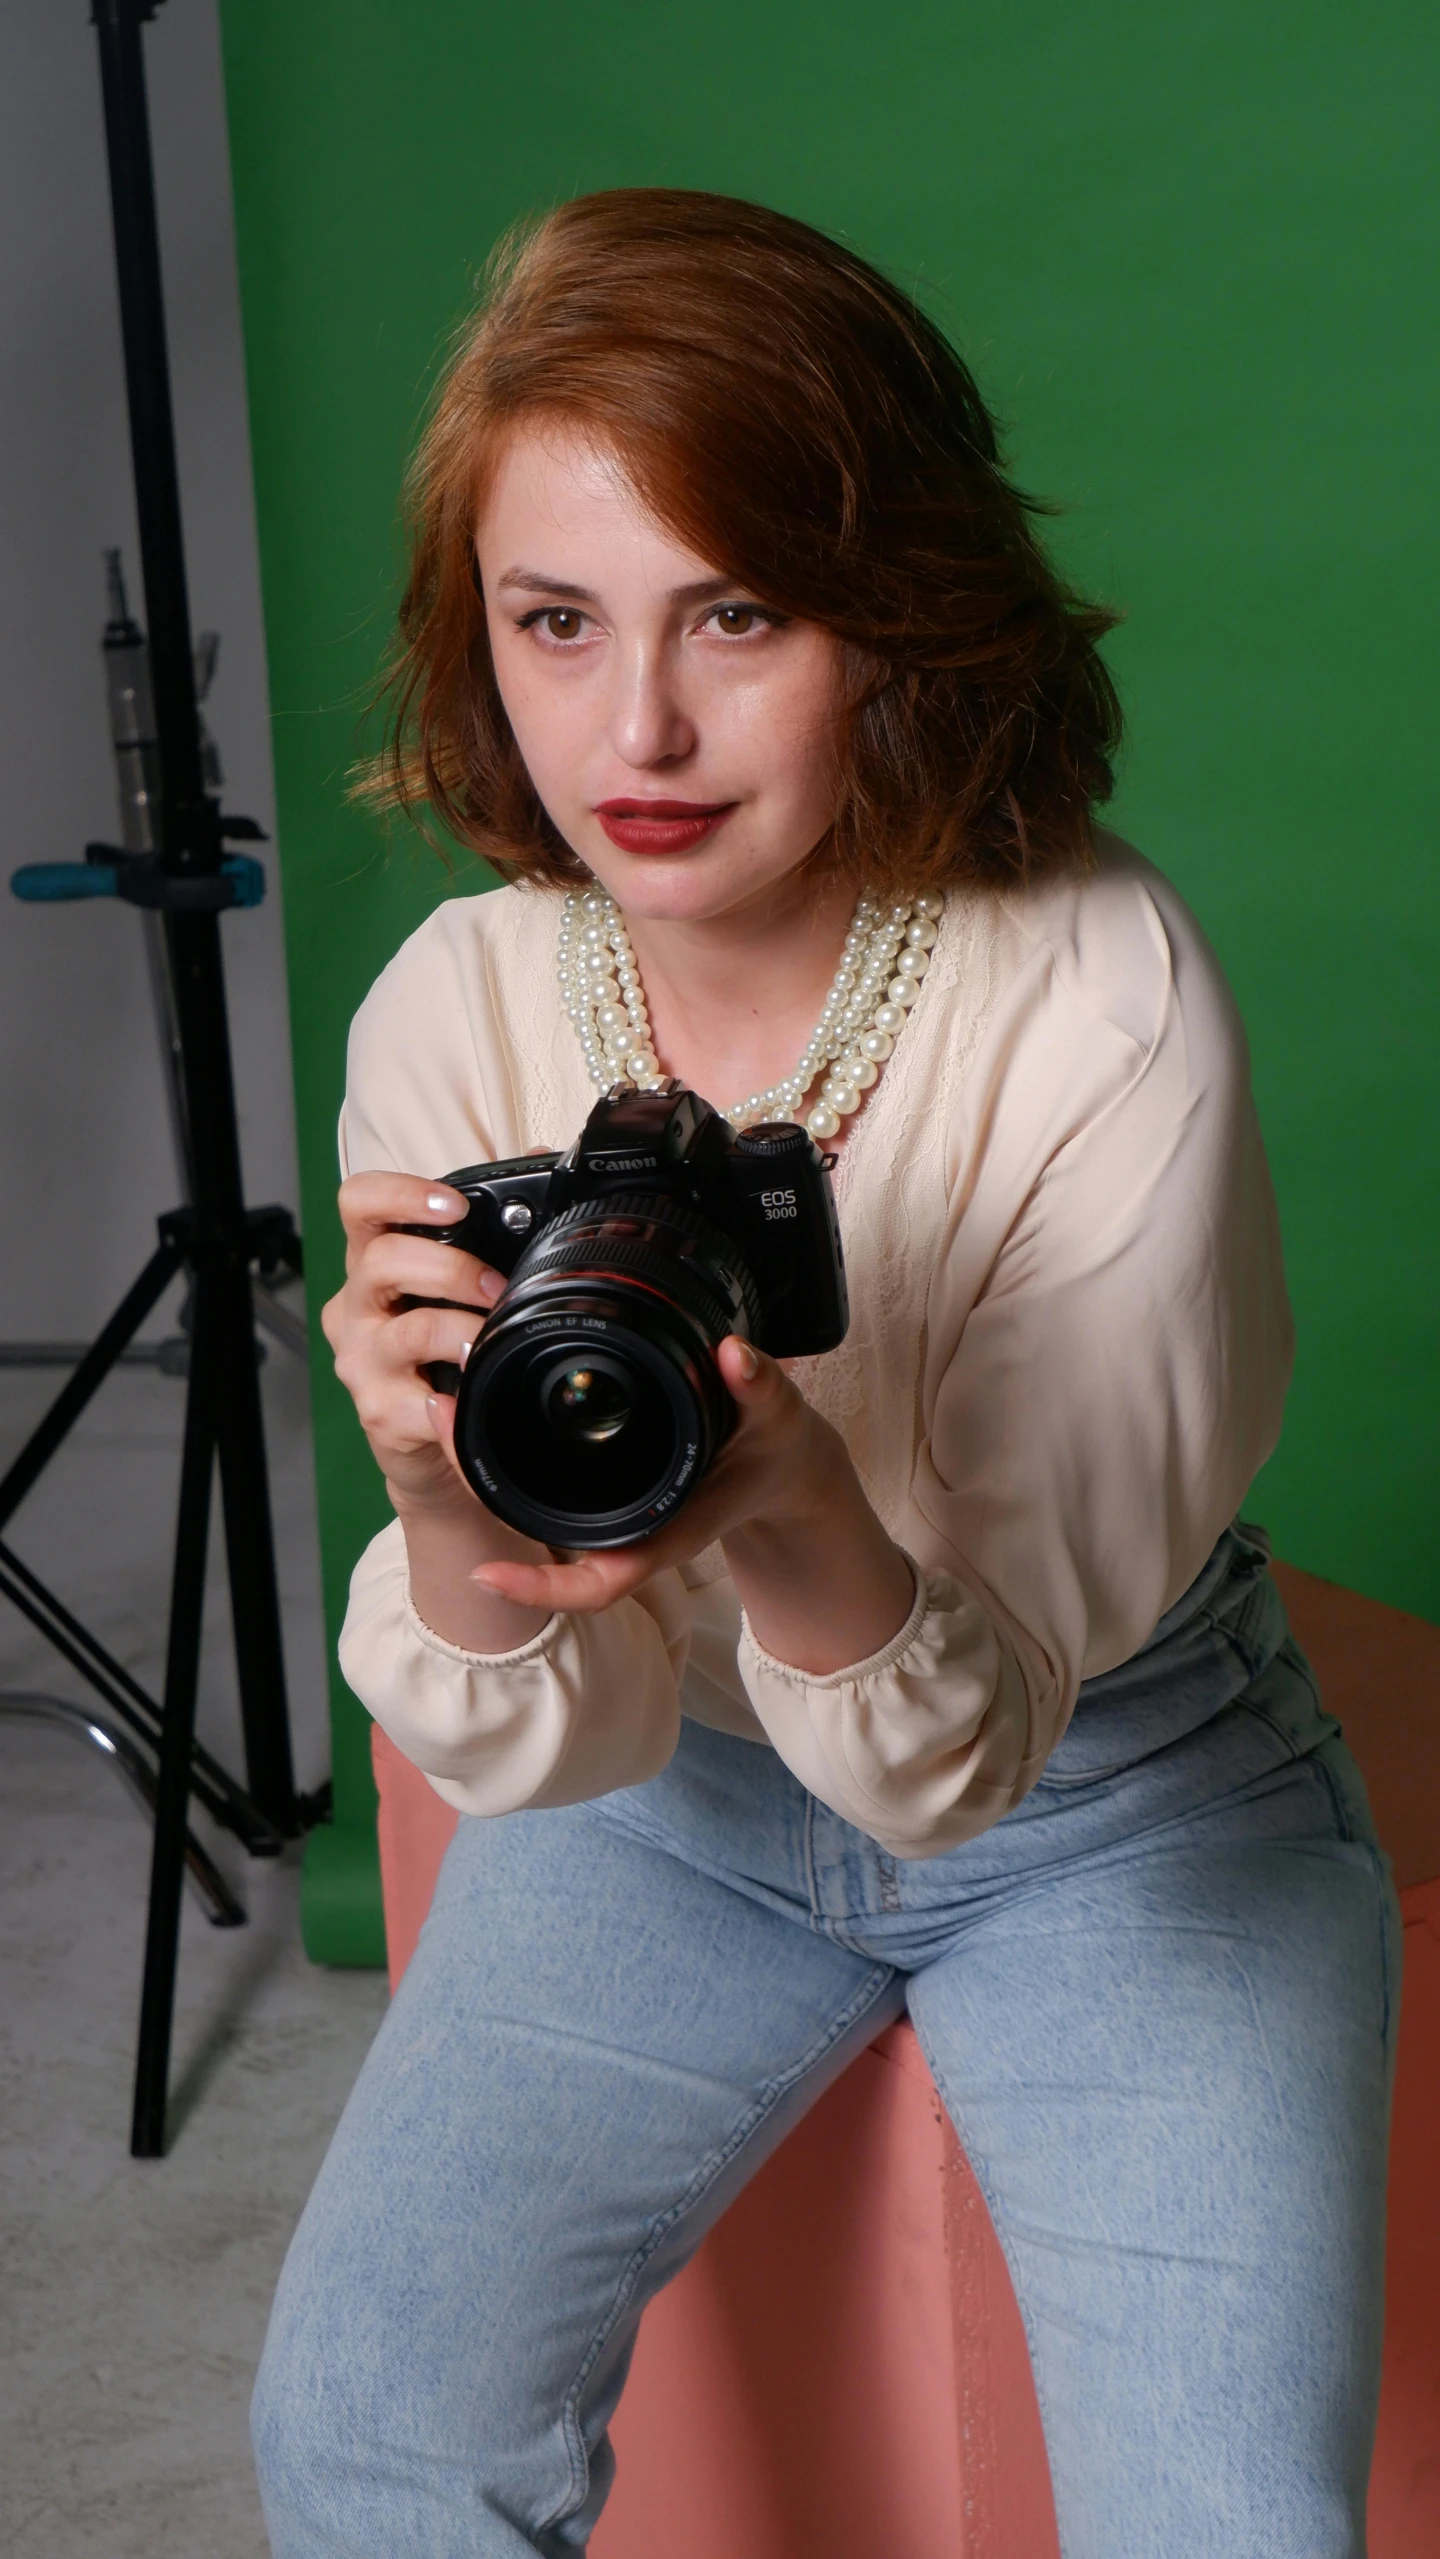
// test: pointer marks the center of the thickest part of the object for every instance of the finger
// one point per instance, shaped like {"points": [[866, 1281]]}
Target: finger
{"points": [[440, 1413], [391, 1266], [369, 1202], [379, 1356], [589, 1583], [759, 1385], [395, 1420], [423, 1334]]}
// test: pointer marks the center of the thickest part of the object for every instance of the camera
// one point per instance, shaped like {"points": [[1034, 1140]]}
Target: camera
{"points": [[592, 1402]]}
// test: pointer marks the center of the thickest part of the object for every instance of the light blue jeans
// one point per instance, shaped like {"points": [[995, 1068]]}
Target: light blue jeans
{"points": [[1158, 2000]]}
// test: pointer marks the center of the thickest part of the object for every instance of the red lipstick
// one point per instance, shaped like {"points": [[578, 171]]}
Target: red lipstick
{"points": [[661, 826]]}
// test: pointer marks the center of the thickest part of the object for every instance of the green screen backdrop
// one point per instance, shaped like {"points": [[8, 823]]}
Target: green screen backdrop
{"points": [[1189, 253]]}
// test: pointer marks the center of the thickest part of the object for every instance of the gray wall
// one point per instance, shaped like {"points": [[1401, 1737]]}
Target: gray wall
{"points": [[85, 1159]]}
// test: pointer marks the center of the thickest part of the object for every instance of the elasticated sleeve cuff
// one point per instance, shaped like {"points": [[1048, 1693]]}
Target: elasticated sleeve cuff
{"points": [[881, 1661], [535, 1650], [589, 1704], [924, 1744]]}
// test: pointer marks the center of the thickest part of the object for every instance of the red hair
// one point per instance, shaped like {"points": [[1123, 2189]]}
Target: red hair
{"points": [[790, 416]]}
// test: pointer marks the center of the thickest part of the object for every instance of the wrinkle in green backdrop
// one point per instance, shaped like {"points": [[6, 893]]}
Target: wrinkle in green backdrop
{"points": [[1190, 256]]}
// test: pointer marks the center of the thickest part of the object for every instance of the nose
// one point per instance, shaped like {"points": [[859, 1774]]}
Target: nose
{"points": [[651, 725]]}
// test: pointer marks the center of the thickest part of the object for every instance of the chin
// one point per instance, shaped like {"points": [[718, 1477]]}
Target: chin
{"points": [[685, 888]]}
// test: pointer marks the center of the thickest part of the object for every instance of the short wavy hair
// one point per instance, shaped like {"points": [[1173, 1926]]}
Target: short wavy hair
{"points": [[789, 415]]}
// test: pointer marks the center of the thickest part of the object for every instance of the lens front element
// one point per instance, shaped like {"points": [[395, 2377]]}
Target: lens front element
{"points": [[587, 1405]]}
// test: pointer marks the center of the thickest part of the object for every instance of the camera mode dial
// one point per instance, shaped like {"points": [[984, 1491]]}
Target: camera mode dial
{"points": [[774, 1138]]}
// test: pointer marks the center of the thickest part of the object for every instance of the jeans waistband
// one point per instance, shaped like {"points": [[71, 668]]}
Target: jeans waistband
{"points": [[1206, 1650]]}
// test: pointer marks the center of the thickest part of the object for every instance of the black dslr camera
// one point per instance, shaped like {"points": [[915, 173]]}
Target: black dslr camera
{"points": [[592, 1403]]}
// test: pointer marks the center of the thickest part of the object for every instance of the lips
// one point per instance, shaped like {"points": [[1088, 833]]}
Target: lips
{"points": [[661, 826]]}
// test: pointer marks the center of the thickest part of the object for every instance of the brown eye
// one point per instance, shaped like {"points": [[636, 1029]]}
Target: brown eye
{"points": [[562, 622], [736, 620]]}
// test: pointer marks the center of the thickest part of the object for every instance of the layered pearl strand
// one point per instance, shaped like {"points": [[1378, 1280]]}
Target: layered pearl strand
{"points": [[886, 954]]}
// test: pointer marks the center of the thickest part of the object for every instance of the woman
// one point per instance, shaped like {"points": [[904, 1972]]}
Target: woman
{"points": [[955, 1687]]}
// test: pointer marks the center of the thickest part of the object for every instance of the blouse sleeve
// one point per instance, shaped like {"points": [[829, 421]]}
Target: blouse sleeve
{"points": [[591, 1703], [1109, 1345]]}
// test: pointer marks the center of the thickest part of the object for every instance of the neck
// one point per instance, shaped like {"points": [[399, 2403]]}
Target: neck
{"points": [[734, 998]]}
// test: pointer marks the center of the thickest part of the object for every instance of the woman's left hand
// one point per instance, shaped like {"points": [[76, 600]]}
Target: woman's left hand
{"points": [[820, 1580]]}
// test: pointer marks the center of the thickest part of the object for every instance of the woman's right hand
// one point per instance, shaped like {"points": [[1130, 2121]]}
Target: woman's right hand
{"points": [[382, 1342]]}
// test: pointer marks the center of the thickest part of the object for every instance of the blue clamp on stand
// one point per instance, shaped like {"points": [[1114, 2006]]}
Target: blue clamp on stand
{"points": [[110, 871]]}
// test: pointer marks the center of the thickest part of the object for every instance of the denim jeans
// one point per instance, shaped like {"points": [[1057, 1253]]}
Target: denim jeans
{"points": [[1158, 2000]]}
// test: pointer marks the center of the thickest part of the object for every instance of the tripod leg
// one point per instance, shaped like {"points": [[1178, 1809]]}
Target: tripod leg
{"points": [[182, 1670], [250, 1551], [94, 1368], [210, 1784]]}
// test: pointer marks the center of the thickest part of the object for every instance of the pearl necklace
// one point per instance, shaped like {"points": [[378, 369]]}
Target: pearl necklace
{"points": [[886, 954]]}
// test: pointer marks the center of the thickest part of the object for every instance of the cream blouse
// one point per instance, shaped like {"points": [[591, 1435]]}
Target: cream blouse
{"points": [[1068, 1352]]}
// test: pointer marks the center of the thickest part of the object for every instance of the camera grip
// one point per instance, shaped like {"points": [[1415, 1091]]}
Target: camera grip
{"points": [[506, 1203]]}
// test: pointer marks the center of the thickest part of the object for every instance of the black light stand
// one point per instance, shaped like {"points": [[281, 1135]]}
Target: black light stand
{"points": [[187, 880]]}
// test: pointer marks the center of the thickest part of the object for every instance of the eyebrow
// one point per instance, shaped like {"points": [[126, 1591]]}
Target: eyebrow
{"points": [[535, 582]]}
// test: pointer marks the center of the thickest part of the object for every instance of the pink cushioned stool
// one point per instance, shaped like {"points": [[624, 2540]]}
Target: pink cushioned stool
{"points": [[841, 2371]]}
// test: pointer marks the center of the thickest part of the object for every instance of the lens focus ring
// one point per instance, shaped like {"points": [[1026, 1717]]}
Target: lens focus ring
{"points": [[678, 1252]]}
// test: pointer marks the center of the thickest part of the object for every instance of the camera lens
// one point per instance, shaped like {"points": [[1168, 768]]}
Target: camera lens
{"points": [[585, 1437], [592, 1403], [588, 1405]]}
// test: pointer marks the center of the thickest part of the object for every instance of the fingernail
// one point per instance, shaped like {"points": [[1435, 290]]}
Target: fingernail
{"points": [[465, 1350], [749, 1364], [492, 1288], [445, 1204]]}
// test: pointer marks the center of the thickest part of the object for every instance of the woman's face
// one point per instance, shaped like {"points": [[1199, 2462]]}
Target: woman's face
{"points": [[680, 734]]}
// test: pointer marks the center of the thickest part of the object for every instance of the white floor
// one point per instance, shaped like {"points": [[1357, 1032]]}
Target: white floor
{"points": [[133, 2294]]}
